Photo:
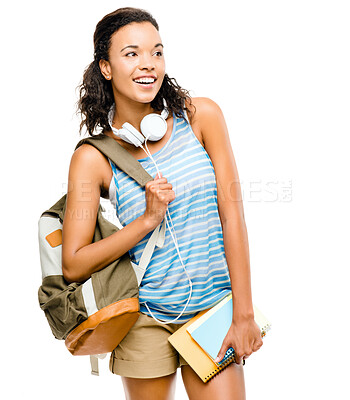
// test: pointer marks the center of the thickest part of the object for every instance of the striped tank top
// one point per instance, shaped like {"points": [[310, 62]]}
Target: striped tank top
{"points": [[165, 286]]}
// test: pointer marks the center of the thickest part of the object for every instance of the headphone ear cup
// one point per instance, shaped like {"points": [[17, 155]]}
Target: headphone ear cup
{"points": [[153, 127], [131, 135]]}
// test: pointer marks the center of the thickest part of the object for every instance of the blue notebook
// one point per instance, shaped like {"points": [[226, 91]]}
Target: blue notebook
{"points": [[210, 329]]}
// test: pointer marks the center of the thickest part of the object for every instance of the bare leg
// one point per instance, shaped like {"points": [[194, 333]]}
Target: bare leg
{"points": [[162, 388], [226, 385]]}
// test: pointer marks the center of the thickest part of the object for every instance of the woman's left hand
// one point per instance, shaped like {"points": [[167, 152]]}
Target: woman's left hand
{"points": [[244, 336]]}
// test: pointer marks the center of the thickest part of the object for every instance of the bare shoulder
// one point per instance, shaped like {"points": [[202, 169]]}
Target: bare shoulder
{"points": [[204, 104], [206, 114], [88, 163], [87, 154], [85, 158], [203, 107]]}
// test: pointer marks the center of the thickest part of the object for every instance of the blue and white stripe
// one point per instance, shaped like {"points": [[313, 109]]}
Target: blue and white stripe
{"points": [[194, 213]]}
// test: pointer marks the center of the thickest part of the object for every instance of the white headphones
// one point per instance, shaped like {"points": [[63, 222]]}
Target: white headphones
{"points": [[153, 127]]}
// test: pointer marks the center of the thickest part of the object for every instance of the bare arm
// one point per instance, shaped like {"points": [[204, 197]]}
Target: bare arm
{"points": [[218, 147], [245, 334], [81, 257]]}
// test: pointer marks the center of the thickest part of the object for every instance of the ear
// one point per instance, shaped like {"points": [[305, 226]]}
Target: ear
{"points": [[105, 68]]}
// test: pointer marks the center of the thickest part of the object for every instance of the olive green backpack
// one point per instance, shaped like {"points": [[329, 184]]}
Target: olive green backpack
{"points": [[93, 316]]}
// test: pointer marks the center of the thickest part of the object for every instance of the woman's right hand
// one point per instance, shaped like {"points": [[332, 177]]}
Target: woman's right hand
{"points": [[158, 194]]}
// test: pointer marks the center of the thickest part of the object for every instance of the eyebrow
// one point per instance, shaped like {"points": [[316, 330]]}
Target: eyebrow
{"points": [[133, 46]]}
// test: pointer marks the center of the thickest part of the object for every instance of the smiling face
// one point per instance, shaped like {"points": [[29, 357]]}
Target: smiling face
{"points": [[136, 51]]}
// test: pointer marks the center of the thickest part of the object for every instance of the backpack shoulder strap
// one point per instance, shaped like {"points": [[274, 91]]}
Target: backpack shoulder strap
{"points": [[58, 209], [120, 156]]}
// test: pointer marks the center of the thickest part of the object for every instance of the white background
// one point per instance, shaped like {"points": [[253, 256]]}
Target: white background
{"points": [[279, 70]]}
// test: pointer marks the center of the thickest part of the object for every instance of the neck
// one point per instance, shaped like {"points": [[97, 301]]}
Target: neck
{"points": [[130, 111]]}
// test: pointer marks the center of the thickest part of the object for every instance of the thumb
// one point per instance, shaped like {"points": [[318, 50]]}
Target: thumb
{"points": [[221, 352], [158, 176]]}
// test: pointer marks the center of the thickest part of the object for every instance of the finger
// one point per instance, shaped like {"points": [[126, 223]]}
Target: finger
{"points": [[164, 186], [170, 196], [221, 353], [158, 175], [155, 184], [257, 345], [238, 359], [164, 193]]}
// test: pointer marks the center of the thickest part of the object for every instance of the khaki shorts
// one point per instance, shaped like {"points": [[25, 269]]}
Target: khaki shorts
{"points": [[145, 351]]}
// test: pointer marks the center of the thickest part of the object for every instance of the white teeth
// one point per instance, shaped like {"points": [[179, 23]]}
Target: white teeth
{"points": [[145, 80]]}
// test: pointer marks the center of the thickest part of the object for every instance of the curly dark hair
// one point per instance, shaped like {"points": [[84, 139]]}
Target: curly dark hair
{"points": [[95, 92]]}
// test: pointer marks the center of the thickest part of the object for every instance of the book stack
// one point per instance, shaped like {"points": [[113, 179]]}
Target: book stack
{"points": [[200, 339]]}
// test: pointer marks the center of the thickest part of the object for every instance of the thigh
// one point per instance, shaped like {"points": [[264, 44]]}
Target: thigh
{"points": [[226, 385], [162, 388]]}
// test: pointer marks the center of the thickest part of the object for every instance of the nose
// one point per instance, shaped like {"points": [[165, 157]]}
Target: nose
{"points": [[146, 62]]}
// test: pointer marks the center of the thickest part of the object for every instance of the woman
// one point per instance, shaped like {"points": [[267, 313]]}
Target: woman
{"points": [[127, 79]]}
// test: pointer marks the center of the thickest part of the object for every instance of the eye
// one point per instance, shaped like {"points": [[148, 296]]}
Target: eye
{"points": [[132, 52], [159, 52]]}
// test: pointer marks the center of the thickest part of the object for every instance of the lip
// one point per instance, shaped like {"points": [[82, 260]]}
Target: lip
{"points": [[145, 76]]}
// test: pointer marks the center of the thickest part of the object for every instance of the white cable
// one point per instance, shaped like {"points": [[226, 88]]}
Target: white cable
{"points": [[176, 246]]}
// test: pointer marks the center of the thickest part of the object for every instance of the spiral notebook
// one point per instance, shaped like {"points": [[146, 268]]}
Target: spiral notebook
{"points": [[199, 340]]}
